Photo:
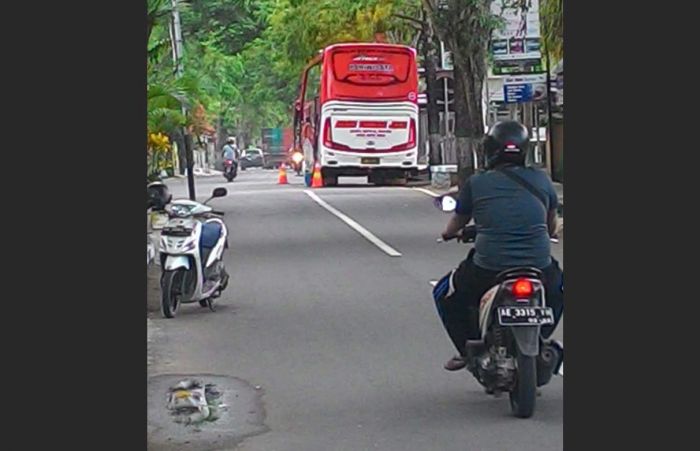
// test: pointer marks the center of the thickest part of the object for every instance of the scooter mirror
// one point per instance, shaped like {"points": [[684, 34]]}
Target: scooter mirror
{"points": [[448, 204], [219, 192]]}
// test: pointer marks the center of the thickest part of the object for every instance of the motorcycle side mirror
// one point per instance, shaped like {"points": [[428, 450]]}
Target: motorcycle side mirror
{"points": [[446, 203], [219, 192]]}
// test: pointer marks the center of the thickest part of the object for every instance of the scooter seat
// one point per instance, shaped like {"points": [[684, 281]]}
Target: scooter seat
{"points": [[211, 232], [514, 273]]}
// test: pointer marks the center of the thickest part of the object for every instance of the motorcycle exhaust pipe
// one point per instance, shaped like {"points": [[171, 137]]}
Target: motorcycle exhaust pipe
{"points": [[549, 362]]}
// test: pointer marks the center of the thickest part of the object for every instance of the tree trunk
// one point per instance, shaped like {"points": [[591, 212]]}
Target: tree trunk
{"points": [[466, 148], [463, 139], [221, 136], [178, 137], [433, 86], [465, 27], [435, 157], [469, 127]]}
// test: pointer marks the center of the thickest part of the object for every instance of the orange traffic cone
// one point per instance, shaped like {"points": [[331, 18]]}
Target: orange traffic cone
{"points": [[282, 180], [317, 180]]}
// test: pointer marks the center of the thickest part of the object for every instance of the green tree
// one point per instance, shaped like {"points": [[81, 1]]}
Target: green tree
{"points": [[465, 26], [246, 56], [552, 27]]}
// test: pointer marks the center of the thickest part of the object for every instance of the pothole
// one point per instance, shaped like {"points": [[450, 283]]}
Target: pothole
{"points": [[202, 412]]}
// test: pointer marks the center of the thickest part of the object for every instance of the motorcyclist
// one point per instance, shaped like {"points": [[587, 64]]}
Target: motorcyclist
{"points": [[230, 150], [513, 225]]}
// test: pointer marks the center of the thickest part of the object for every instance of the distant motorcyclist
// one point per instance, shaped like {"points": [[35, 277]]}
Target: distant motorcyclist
{"points": [[514, 210], [230, 150]]}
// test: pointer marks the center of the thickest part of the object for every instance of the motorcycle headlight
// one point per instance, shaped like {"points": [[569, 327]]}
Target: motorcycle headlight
{"points": [[297, 157]]}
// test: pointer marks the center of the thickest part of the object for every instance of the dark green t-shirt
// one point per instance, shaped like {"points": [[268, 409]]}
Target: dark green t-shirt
{"points": [[511, 222]]}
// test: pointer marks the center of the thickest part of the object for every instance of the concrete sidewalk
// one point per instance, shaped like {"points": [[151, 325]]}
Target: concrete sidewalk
{"points": [[201, 173]]}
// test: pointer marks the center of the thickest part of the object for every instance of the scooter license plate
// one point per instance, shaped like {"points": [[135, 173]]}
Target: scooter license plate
{"points": [[525, 316]]}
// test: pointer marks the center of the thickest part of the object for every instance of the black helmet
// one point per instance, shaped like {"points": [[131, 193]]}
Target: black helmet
{"points": [[158, 196], [506, 142]]}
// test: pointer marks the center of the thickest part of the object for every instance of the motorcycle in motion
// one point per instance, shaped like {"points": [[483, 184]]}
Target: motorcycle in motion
{"points": [[510, 354], [230, 169], [192, 248], [297, 159]]}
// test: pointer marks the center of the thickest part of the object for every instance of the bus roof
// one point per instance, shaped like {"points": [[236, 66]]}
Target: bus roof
{"points": [[366, 44]]}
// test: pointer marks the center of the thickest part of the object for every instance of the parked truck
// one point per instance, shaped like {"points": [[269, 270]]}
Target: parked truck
{"points": [[276, 143]]}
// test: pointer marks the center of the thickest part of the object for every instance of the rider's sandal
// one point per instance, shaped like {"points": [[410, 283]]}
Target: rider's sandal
{"points": [[455, 363]]}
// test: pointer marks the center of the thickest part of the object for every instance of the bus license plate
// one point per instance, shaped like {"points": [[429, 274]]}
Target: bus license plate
{"points": [[525, 316], [369, 160]]}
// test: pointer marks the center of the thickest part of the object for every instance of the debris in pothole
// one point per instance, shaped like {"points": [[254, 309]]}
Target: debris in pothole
{"points": [[235, 402], [191, 402]]}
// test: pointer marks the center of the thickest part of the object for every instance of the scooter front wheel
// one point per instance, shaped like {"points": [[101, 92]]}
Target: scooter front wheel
{"points": [[171, 291]]}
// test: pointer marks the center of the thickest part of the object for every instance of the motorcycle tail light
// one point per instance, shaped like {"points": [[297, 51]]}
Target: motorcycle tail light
{"points": [[522, 288]]}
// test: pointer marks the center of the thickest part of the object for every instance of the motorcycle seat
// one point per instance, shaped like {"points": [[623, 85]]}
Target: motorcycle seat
{"points": [[211, 232], [523, 271]]}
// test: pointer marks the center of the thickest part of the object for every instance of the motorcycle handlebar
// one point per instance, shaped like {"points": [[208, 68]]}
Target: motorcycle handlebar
{"points": [[468, 235]]}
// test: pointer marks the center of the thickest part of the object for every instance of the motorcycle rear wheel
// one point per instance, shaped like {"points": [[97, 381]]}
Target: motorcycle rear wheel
{"points": [[523, 395]]}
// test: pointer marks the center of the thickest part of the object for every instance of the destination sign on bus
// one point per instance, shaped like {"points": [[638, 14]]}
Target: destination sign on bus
{"points": [[383, 68]]}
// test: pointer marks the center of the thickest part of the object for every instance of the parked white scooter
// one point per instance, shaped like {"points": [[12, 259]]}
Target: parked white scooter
{"points": [[192, 247]]}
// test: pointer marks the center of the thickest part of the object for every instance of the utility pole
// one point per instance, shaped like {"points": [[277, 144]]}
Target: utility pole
{"points": [[176, 40], [550, 120], [445, 65]]}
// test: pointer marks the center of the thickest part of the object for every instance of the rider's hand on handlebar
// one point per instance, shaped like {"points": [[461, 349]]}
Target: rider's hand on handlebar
{"points": [[447, 237]]}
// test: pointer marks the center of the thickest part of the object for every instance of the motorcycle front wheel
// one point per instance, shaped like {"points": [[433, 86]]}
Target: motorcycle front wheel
{"points": [[523, 395], [171, 291]]}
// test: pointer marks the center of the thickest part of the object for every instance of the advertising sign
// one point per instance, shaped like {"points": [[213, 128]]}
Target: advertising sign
{"points": [[515, 47], [524, 88]]}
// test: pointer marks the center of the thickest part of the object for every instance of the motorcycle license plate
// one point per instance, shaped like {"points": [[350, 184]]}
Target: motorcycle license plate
{"points": [[369, 160], [525, 316]]}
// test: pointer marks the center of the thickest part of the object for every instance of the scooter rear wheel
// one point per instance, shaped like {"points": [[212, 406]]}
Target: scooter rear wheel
{"points": [[523, 395]]}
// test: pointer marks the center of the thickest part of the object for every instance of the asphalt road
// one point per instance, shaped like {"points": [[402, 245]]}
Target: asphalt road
{"points": [[342, 339]]}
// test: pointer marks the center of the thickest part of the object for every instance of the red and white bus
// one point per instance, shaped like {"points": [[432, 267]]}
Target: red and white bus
{"points": [[357, 112]]}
